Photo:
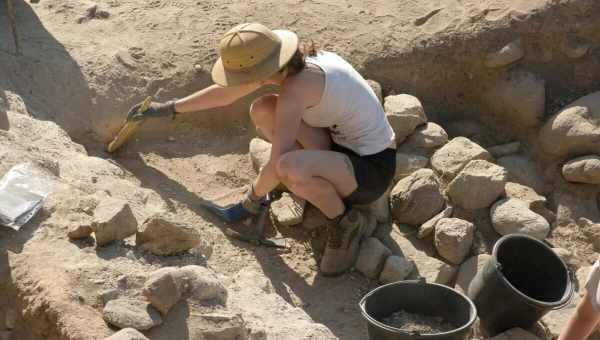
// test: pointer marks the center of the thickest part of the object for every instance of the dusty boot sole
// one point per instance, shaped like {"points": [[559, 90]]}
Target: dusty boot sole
{"points": [[358, 237]]}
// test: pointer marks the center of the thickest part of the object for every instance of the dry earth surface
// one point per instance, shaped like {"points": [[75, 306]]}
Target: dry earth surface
{"points": [[66, 94]]}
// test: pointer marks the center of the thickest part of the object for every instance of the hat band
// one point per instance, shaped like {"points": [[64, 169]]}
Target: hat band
{"points": [[250, 68]]}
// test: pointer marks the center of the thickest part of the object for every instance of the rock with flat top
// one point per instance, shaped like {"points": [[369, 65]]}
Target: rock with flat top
{"points": [[453, 239], [585, 169], [163, 235], [478, 185], [260, 153], [425, 140], [506, 55], [451, 158], [574, 130], [127, 334], [406, 164], [396, 268], [416, 198], [513, 216], [428, 228], [113, 220], [124, 313], [371, 257], [288, 210], [405, 113]]}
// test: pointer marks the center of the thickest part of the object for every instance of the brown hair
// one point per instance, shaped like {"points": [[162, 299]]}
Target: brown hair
{"points": [[298, 61]]}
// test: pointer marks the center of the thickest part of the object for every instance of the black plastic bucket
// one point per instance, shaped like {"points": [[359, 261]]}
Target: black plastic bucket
{"points": [[522, 281], [419, 298]]}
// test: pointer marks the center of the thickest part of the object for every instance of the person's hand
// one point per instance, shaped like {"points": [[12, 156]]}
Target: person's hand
{"points": [[251, 202], [155, 110]]}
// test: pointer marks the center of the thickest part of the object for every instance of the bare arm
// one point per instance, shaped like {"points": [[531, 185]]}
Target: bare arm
{"points": [[582, 323], [214, 96], [288, 116]]}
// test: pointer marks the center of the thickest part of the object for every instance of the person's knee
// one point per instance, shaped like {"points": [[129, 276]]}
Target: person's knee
{"points": [[262, 110], [290, 170]]}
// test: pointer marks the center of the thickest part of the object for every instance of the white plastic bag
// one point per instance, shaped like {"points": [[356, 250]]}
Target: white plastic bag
{"points": [[22, 192]]}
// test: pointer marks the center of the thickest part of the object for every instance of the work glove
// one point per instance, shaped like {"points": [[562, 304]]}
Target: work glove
{"points": [[155, 110]]}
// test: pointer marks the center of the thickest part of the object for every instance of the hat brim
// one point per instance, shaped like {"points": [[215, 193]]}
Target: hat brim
{"points": [[262, 71]]}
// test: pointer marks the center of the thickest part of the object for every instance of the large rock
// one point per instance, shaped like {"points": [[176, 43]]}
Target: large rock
{"points": [[406, 164], [288, 210], [162, 234], [585, 169], [518, 100], [113, 220], [523, 170], [536, 202], [396, 268], [515, 334], [575, 130], [127, 334], [405, 113], [202, 284], [379, 209], [467, 272], [428, 228], [513, 216], [478, 185], [453, 239], [163, 289], [450, 159], [416, 198], [124, 313], [371, 257], [425, 140], [260, 153], [506, 55]]}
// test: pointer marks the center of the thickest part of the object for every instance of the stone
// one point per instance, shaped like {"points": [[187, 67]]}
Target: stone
{"points": [[425, 140], [428, 228], [203, 284], [260, 153], [524, 193], [585, 169], [127, 334], [163, 289], [371, 257], [224, 326], [162, 234], [451, 158], [517, 101], [406, 164], [513, 216], [467, 272], [506, 55], [124, 313], [113, 220], [416, 198], [376, 87], [478, 185], [79, 231], [565, 255], [405, 113], [314, 218], [523, 170], [288, 210], [574, 130], [591, 230], [504, 149], [515, 334], [453, 239], [396, 268], [107, 295]]}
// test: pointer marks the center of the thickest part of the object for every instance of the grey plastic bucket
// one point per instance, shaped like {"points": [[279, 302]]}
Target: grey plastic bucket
{"points": [[522, 281], [419, 298]]}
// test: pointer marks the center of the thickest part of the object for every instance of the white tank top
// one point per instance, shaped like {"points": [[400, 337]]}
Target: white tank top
{"points": [[349, 108]]}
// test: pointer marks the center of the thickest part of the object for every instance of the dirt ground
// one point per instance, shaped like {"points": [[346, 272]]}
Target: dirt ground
{"points": [[80, 74]]}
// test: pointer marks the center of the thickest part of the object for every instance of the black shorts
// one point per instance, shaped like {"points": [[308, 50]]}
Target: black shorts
{"points": [[374, 174]]}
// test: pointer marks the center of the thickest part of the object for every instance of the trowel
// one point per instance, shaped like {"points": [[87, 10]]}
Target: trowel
{"points": [[128, 128]]}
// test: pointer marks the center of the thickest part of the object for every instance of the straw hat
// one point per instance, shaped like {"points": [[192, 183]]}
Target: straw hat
{"points": [[252, 52]]}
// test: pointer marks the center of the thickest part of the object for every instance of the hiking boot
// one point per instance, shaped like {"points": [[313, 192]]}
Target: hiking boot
{"points": [[343, 239]]}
